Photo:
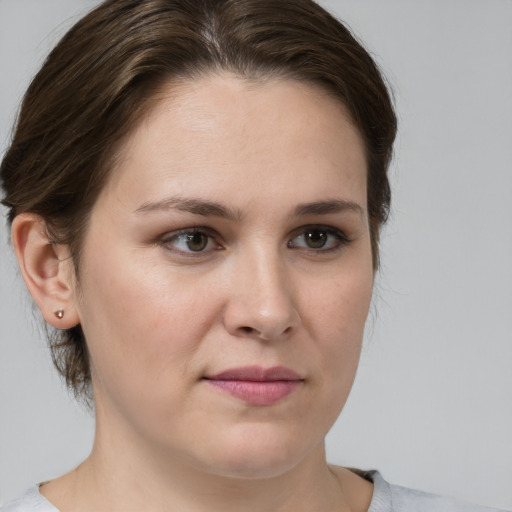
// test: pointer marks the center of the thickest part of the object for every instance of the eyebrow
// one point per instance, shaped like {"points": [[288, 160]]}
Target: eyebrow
{"points": [[201, 207], [207, 208], [327, 207]]}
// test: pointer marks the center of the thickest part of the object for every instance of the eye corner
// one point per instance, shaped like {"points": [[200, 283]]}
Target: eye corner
{"points": [[318, 239], [192, 242]]}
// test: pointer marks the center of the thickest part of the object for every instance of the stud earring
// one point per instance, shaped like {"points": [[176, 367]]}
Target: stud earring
{"points": [[59, 313]]}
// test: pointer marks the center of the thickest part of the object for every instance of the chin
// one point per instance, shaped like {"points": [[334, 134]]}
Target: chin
{"points": [[255, 468], [259, 454]]}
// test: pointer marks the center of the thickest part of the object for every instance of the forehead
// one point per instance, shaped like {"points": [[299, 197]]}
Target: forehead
{"points": [[222, 129]]}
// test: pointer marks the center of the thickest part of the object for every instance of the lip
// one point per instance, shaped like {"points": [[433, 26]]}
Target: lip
{"points": [[257, 385]]}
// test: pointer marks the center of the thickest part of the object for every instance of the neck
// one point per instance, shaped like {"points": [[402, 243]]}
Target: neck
{"points": [[153, 484], [125, 473]]}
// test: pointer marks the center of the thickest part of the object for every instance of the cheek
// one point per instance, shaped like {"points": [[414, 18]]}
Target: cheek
{"points": [[338, 315], [140, 320], [339, 308]]}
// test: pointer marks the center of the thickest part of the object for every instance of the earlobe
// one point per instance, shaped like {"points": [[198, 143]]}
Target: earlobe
{"points": [[46, 269]]}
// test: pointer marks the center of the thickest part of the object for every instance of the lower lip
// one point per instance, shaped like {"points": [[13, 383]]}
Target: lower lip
{"points": [[257, 393]]}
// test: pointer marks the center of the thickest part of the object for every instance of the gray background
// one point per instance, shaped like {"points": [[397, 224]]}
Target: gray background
{"points": [[432, 403]]}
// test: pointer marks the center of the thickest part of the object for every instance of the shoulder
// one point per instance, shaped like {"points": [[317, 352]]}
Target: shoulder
{"points": [[31, 501], [393, 498]]}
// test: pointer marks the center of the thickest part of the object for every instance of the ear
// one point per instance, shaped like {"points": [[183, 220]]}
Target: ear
{"points": [[47, 270]]}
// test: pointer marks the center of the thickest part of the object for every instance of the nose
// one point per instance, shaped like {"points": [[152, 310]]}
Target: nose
{"points": [[262, 299]]}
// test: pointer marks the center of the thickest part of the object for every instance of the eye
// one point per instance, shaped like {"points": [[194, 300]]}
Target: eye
{"points": [[190, 241], [319, 238]]}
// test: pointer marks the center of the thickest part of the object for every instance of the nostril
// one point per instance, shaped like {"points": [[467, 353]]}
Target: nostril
{"points": [[247, 329]]}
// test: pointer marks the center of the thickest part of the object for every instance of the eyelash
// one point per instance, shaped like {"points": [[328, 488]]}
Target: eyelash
{"points": [[167, 241], [340, 238]]}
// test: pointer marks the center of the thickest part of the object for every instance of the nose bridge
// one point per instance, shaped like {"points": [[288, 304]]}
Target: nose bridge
{"points": [[263, 300], [269, 281]]}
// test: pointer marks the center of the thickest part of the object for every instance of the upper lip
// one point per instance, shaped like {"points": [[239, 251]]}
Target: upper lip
{"points": [[257, 374]]}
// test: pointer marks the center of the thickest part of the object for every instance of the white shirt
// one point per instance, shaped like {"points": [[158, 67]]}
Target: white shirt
{"points": [[386, 498]]}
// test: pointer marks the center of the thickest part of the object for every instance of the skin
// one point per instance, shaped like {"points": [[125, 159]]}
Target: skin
{"points": [[159, 317]]}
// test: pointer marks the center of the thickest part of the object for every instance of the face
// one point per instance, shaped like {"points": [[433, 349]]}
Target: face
{"points": [[226, 276]]}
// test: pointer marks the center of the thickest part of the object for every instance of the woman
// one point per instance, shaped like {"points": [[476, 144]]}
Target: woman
{"points": [[196, 191]]}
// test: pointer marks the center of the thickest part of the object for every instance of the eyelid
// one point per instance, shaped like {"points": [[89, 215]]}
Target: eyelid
{"points": [[166, 241], [340, 235]]}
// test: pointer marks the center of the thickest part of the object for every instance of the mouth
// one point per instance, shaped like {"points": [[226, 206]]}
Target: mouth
{"points": [[256, 385]]}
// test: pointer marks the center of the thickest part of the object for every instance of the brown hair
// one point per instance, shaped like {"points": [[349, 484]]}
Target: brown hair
{"points": [[97, 82]]}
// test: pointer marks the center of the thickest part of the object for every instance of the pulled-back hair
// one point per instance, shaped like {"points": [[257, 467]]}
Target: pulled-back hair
{"points": [[102, 75]]}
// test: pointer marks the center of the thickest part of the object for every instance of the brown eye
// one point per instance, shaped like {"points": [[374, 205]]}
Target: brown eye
{"points": [[190, 241], [197, 241], [315, 238], [319, 238]]}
